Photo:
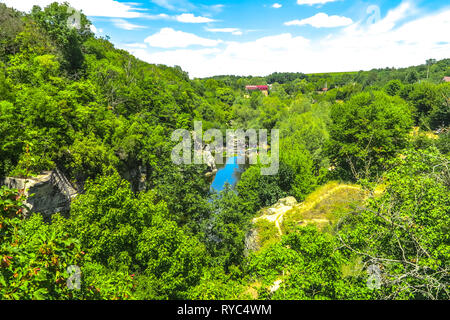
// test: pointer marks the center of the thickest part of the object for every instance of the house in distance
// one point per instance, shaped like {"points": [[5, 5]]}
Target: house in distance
{"points": [[264, 89]]}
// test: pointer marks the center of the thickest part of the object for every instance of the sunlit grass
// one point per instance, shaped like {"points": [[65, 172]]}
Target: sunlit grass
{"points": [[321, 206], [267, 233]]}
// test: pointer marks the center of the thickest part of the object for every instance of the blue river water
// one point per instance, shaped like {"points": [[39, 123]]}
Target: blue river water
{"points": [[230, 173]]}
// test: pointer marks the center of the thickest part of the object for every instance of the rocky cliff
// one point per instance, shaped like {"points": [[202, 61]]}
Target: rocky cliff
{"points": [[48, 193]]}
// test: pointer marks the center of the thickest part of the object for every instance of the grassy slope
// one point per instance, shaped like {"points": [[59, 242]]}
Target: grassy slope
{"points": [[320, 208]]}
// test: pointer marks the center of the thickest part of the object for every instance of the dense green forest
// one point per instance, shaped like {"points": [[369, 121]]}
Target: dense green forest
{"points": [[71, 101]]}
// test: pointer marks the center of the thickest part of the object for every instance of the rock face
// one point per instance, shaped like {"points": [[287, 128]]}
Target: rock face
{"points": [[210, 162], [209, 159], [273, 214], [137, 177], [251, 242], [289, 201], [48, 193]]}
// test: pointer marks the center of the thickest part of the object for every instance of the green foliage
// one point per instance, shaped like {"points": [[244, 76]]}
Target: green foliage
{"points": [[298, 159], [34, 260], [216, 285], [393, 87], [226, 229], [134, 234], [429, 98], [35, 257], [257, 191], [54, 20], [366, 131], [405, 231], [226, 95], [284, 77], [10, 26], [185, 191], [348, 90], [88, 156], [412, 77], [307, 266], [443, 144], [109, 219], [10, 144], [174, 262]]}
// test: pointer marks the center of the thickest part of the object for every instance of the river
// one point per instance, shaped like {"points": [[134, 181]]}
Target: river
{"points": [[229, 173]]}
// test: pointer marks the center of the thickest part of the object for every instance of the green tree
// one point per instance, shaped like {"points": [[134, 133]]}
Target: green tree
{"points": [[226, 229], [412, 77], [307, 266], [404, 231], [226, 95], [430, 62], [393, 87], [54, 19], [11, 25], [425, 97], [35, 258], [367, 130], [10, 142], [134, 234], [257, 191]]}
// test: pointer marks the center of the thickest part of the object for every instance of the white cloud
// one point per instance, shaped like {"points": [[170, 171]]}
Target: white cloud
{"points": [[322, 20], [170, 38], [216, 8], [175, 5], [98, 8], [189, 59], [190, 18], [95, 30], [312, 2], [277, 6], [282, 52], [233, 31], [356, 47], [160, 16], [401, 38], [387, 43], [393, 17], [123, 24], [116, 9]]}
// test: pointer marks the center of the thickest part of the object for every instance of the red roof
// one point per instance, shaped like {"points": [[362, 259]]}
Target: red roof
{"points": [[257, 88], [446, 79]]}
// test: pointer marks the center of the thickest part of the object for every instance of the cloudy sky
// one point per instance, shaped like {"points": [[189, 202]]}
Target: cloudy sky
{"points": [[260, 37]]}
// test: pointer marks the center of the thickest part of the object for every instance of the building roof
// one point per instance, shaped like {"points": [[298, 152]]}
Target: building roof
{"points": [[257, 87], [446, 79]]}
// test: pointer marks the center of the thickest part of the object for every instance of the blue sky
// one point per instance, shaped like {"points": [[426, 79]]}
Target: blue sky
{"points": [[255, 37]]}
